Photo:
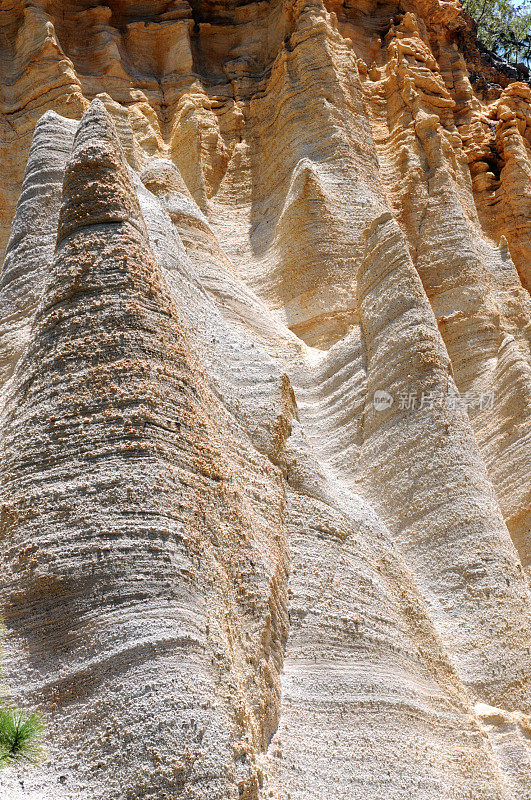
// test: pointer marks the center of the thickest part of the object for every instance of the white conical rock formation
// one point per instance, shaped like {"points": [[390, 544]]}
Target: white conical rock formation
{"points": [[329, 209], [126, 477]]}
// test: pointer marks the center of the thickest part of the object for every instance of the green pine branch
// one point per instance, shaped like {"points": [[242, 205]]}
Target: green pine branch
{"points": [[21, 734], [21, 737]]}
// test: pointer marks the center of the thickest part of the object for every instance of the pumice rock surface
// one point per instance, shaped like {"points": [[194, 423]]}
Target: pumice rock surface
{"points": [[265, 393]]}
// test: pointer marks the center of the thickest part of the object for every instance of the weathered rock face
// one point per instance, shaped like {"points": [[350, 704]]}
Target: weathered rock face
{"points": [[265, 383]]}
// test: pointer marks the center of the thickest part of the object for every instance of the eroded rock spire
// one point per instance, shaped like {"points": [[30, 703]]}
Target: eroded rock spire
{"points": [[316, 252], [124, 572]]}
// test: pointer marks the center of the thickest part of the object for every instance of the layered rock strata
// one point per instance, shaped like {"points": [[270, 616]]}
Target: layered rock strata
{"points": [[265, 384]]}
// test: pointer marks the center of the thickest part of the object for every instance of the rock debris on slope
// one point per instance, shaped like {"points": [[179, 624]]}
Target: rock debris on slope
{"points": [[265, 383]]}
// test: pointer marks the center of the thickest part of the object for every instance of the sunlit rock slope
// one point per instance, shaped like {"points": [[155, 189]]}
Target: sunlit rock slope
{"points": [[265, 392]]}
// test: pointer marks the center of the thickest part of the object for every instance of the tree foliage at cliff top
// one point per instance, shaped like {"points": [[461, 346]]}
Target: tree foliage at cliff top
{"points": [[503, 26]]}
